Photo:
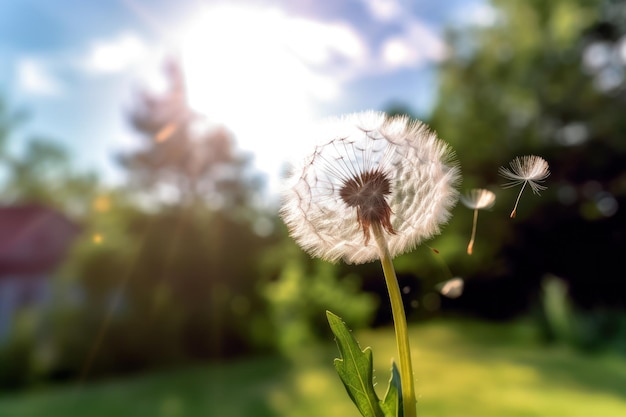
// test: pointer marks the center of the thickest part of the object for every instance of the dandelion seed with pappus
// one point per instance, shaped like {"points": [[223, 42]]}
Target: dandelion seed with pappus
{"points": [[477, 199], [373, 188], [530, 170]]}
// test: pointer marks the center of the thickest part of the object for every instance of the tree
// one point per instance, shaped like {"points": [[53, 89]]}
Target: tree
{"points": [[183, 155], [42, 173], [183, 269], [525, 86]]}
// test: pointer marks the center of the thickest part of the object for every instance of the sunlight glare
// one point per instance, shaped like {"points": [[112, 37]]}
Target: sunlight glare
{"points": [[243, 71], [97, 238]]}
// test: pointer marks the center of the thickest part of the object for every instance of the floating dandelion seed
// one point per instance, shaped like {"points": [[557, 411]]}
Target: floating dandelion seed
{"points": [[370, 171], [452, 288], [524, 170], [373, 175], [477, 199]]}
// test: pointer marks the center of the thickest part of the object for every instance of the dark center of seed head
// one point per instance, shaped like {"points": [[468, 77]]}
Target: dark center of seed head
{"points": [[367, 194]]}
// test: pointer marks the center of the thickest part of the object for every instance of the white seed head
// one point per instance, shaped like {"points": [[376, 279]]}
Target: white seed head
{"points": [[531, 169], [478, 198], [370, 170]]}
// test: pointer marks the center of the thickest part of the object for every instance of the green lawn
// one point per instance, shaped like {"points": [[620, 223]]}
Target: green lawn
{"points": [[462, 369]]}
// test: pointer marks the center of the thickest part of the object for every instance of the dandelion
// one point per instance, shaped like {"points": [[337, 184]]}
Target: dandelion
{"points": [[370, 172], [477, 199], [373, 175], [524, 170]]}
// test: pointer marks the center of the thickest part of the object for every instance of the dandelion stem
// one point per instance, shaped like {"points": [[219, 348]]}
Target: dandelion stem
{"points": [[470, 246], [399, 320], [514, 212]]}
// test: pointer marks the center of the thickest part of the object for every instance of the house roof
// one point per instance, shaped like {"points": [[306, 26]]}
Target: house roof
{"points": [[33, 239]]}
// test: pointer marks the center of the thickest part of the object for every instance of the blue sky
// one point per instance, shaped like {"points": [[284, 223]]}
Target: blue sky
{"points": [[262, 68]]}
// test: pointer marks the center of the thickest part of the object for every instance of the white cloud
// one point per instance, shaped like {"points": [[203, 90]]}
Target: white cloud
{"points": [[319, 43], [477, 13], [34, 76], [384, 10], [415, 46], [331, 52], [409, 43], [115, 55], [396, 52], [320, 56], [259, 47], [429, 44]]}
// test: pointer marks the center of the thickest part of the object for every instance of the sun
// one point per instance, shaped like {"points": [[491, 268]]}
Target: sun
{"points": [[243, 70]]}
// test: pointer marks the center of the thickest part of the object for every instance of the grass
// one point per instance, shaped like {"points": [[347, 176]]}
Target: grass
{"points": [[462, 369]]}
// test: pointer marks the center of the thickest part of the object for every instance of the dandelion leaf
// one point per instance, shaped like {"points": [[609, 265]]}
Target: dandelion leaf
{"points": [[392, 404], [355, 368]]}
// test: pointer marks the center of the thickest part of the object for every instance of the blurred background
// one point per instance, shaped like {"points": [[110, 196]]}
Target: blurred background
{"points": [[144, 270]]}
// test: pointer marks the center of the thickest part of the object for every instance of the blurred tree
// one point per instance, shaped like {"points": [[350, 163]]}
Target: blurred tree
{"points": [[43, 174], [546, 78], [173, 278], [184, 158], [299, 289], [38, 173], [9, 121]]}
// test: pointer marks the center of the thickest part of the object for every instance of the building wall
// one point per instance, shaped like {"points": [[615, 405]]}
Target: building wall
{"points": [[21, 292]]}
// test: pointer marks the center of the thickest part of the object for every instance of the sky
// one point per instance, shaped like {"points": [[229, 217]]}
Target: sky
{"points": [[264, 69]]}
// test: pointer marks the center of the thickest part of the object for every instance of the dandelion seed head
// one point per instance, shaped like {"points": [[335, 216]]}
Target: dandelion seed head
{"points": [[478, 199], [369, 169]]}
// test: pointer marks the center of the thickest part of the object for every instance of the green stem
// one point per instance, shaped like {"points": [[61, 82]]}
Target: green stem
{"points": [[399, 319]]}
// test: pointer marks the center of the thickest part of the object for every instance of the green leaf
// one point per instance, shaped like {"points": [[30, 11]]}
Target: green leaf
{"points": [[392, 404], [355, 368]]}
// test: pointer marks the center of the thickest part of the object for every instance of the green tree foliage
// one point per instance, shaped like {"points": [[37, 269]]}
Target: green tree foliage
{"points": [[197, 252], [168, 268], [9, 121], [301, 289], [547, 79], [160, 289], [41, 172]]}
